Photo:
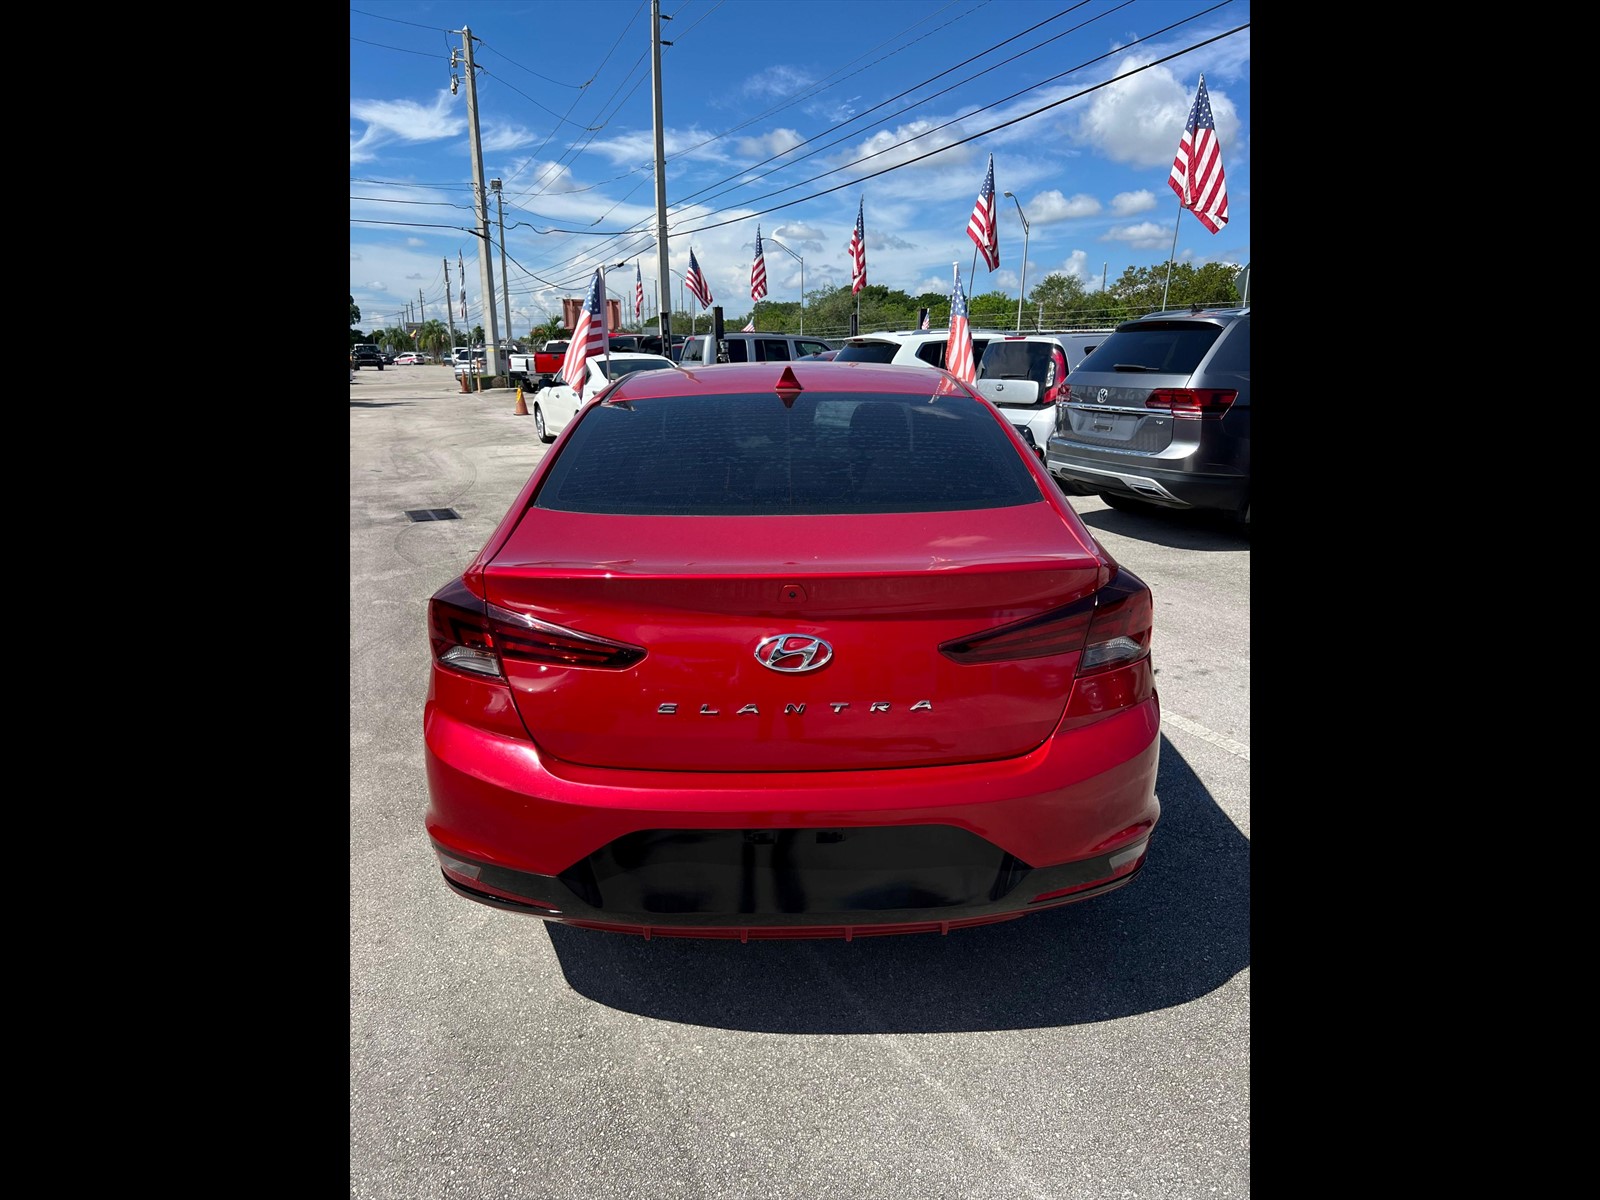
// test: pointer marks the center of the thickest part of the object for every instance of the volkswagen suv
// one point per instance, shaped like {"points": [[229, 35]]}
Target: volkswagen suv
{"points": [[1158, 416]]}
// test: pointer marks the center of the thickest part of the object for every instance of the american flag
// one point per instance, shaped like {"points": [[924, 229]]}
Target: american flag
{"points": [[924, 318], [1197, 171], [958, 356], [696, 282], [858, 249], [638, 292], [751, 327], [461, 270], [758, 271], [588, 339], [981, 227]]}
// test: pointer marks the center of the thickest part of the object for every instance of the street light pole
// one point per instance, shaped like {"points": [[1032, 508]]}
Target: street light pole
{"points": [[1022, 288], [802, 262], [505, 280]]}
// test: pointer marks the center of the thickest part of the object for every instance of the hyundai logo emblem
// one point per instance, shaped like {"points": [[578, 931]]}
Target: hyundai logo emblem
{"points": [[793, 653]]}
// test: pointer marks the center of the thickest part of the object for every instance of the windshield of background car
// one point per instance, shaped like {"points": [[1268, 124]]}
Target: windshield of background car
{"points": [[755, 455], [873, 352], [1163, 348], [616, 368]]}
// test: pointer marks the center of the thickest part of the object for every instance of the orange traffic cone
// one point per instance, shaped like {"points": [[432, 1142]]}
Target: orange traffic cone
{"points": [[465, 390], [522, 405]]}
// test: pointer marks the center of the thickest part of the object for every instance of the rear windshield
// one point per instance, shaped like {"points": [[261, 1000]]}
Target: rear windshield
{"points": [[616, 368], [1017, 360], [752, 455], [875, 352], [1162, 349]]}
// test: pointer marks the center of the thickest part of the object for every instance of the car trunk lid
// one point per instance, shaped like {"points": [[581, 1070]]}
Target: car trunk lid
{"points": [[872, 596]]}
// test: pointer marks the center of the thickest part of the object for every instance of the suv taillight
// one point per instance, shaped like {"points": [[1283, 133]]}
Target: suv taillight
{"points": [[1055, 380], [1194, 403]]}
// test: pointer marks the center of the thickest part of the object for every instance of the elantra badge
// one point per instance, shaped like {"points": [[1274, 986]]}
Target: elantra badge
{"points": [[793, 653]]}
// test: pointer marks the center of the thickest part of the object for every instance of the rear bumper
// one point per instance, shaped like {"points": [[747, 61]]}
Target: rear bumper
{"points": [[828, 854], [1142, 479]]}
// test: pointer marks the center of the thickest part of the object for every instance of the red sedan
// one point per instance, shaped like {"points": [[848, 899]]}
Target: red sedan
{"points": [[807, 649]]}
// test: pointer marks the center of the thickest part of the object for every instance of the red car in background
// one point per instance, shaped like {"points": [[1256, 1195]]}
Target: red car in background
{"points": [[807, 649]]}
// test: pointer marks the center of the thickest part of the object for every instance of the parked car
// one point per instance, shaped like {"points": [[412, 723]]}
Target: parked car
{"points": [[699, 349], [1159, 415], [924, 346], [556, 404], [765, 652], [820, 356], [1025, 373], [473, 361], [365, 354], [411, 358]]}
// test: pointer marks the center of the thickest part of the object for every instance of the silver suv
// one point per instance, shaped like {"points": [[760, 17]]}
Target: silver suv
{"points": [[1159, 415], [1024, 373]]}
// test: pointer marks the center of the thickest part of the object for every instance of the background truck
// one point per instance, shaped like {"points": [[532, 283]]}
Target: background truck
{"points": [[540, 368]]}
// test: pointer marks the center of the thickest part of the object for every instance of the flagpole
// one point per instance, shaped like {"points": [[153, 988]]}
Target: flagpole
{"points": [[605, 317], [972, 274], [1174, 253]]}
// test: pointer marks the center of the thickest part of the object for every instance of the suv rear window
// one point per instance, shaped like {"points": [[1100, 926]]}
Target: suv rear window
{"points": [[1165, 349], [756, 455], [1018, 360], [873, 352]]}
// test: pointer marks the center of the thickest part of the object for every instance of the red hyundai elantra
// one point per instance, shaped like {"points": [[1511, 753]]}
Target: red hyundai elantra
{"points": [[807, 649]]}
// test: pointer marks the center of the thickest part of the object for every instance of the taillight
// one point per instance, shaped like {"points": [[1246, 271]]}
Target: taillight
{"points": [[1110, 627], [1055, 380], [469, 634], [1194, 403]]}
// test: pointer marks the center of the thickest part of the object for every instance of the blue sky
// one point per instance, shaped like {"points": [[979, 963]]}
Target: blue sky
{"points": [[770, 112]]}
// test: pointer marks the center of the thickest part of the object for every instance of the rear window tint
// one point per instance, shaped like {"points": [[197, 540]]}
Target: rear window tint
{"points": [[873, 352], [1016, 360], [752, 455], [1167, 350]]}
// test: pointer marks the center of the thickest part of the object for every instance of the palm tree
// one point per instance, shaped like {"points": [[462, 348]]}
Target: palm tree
{"points": [[434, 338]]}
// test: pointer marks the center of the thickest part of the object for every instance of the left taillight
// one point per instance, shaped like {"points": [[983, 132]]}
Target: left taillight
{"points": [[471, 635]]}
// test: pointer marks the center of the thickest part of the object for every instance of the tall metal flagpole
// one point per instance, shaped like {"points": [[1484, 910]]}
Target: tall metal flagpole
{"points": [[1174, 252]]}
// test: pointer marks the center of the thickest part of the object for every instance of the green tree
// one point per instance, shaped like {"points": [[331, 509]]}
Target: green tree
{"points": [[355, 313], [434, 338]]}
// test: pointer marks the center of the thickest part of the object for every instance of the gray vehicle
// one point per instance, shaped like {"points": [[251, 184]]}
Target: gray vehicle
{"points": [[699, 349], [1158, 416]]}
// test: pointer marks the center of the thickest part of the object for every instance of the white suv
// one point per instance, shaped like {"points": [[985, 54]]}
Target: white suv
{"points": [[1024, 375], [924, 347]]}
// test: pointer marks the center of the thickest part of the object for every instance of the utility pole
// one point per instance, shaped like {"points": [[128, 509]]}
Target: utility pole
{"points": [[480, 200], [665, 297], [505, 279], [449, 308]]}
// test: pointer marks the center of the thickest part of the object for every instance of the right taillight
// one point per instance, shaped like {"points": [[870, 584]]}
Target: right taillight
{"points": [[1111, 629], [1193, 403]]}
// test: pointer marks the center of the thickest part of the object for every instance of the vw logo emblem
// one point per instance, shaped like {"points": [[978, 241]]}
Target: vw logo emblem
{"points": [[1100, 396], [793, 653]]}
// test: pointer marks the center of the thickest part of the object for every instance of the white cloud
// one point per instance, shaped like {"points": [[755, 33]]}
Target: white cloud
{"points": [[1140, 119], [1049, 207], [1131, 204]]}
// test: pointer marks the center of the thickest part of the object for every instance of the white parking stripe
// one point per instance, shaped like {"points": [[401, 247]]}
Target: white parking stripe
{"points": [[1200, 731]]}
